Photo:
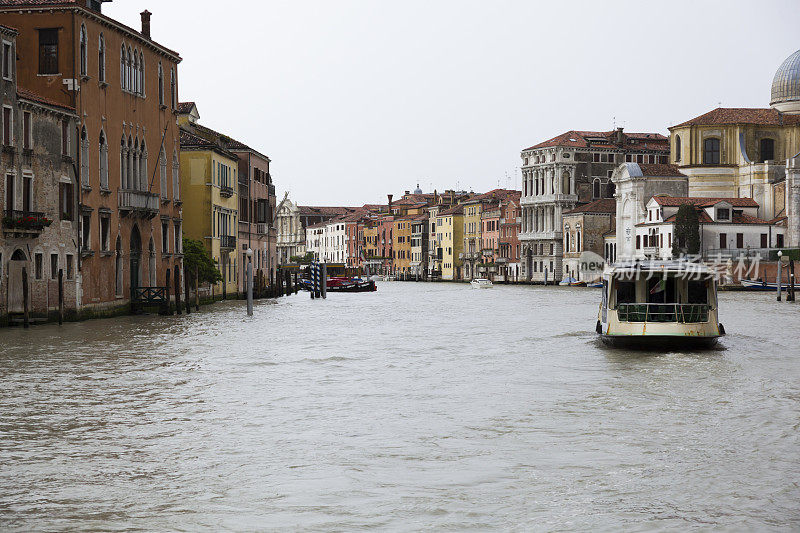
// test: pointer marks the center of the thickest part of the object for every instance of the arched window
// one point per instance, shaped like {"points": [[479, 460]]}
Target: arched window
{"points": [[135, 72], [122, 79], [84, 157], [596, 188], [176, 177], [145, 180], [141, 74], [118, 268], [711, 151], [103, 161], [101, 59], [578, 241], [160, 84], [677, 148], [135, 165], [565, 182], [123, 165], [129, 165], [766, 150], [162, 163], [129, 68], [173, 89], [84, 59]]}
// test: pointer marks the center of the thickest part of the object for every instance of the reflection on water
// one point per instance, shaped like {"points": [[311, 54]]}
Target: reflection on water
{"points": [[419, 406]]}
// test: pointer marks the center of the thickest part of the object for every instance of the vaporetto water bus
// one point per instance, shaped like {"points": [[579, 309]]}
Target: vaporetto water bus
{"points": [[659, 305]]}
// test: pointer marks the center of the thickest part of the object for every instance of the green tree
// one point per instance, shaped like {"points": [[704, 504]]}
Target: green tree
{"points": [[687, 231], [197, 259], [303, 259]]}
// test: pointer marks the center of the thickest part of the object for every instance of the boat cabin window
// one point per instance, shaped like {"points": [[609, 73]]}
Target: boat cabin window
{"points": [[697, 292], [661, 291], [626, 292]]}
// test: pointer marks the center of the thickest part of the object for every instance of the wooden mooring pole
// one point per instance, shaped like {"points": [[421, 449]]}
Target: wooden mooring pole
{"points": [[790, 293], [168, 305], [25, 312], [177, 290], [60, 296], [186, 292], [197, 288]]}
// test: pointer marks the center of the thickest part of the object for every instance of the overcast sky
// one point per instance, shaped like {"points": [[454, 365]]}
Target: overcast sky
{"points": [[355, 99]]}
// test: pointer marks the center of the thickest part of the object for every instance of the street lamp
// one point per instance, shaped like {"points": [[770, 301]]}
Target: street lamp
{"points": [[249, 255]]}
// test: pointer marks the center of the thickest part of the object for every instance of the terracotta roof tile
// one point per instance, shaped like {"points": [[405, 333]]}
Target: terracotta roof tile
{"points": [[604, 205], [581, 139], [190, 140], [455, 210], [743, 115], [30, 95], [677, 201], [738, 218], [183, 107]]}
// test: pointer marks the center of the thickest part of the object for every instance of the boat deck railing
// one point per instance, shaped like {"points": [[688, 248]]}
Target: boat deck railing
{"points": [[680, 313]]}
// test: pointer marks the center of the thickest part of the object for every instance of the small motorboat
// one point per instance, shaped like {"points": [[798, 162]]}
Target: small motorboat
{"points": [[595, 285], [760, 285], [659, 305], [578, 284], [342, 284], [481, 283], [569, 280]]}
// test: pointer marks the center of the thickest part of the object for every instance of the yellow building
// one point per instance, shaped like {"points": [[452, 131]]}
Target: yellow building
{"points": [[738, 152], [450, 241], [401, 262], [472, 236], [210, 199]]}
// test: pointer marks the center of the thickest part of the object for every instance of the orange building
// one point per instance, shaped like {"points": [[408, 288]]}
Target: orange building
{"points": [[123, 86]]}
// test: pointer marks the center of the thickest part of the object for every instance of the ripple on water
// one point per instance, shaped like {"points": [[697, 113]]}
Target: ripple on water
{"points": [[417, 407]]}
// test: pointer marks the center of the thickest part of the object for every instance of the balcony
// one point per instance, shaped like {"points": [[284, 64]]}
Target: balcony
{"points": [[262, 228], [225, 191], [21, 224], [227, 242], [138, 203]]}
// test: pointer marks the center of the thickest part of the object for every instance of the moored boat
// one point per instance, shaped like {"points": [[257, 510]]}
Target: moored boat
{"points": [[569, 280], [481, 283], [659, 305], [759, 285]]}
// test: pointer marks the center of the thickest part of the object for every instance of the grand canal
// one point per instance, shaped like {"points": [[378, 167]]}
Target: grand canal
{"points": [[421, 406]]}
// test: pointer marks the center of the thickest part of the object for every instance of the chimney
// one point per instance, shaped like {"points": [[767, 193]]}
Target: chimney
{"points": [[146, 23], [390, 202], [620, 137]]}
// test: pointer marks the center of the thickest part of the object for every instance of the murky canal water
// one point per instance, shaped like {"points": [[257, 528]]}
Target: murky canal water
{"points": [[421, 406]]}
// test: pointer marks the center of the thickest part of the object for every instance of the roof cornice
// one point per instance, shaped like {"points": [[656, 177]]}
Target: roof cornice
{"points": [[102, 19]]}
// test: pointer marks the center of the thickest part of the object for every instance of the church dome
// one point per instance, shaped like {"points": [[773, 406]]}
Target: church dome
{"points": [[786, 86]]}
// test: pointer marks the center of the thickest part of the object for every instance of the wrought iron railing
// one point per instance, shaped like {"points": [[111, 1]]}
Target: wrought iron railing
{"points": [[29, 220], [225, 191], [227, 241], [261, 228], [149, 294], [680, 313]]}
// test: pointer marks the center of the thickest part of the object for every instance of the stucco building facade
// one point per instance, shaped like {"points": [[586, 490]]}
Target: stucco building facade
{"points": [[123, 87], [40, 230], [560, 173]]}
